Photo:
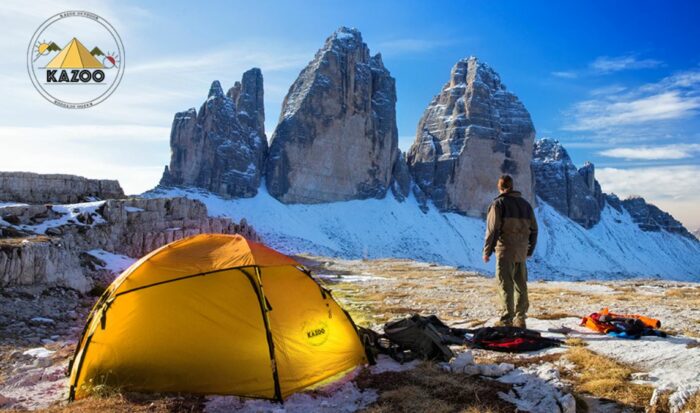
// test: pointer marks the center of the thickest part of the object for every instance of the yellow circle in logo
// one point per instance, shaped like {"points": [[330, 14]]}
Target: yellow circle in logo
{"points": [[75, 59], [315, 333]]}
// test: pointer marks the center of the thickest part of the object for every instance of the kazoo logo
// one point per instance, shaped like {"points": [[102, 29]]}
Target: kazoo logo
{"points": [[75, 59]]}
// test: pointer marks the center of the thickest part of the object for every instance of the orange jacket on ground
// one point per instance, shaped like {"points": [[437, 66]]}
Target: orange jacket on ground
{"points": [[594, 323]]}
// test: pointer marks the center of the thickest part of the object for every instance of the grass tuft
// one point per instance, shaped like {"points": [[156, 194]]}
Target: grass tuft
{"points": [[428, 388], [605, 378]]}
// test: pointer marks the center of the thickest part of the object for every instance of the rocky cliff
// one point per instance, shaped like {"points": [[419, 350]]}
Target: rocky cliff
{"points": [[573, 192], [222, 148], [337, 138], [650, 218], [55, 245], [473, 131], [31, 188]]}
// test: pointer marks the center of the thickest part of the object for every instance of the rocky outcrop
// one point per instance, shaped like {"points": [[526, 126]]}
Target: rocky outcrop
{"points": [[50, 245], [222, 148], [250, 103], [573, 192], [401, 181], [32, 188], [587, 171], [472, 132], [337, 138], [650, 218]]}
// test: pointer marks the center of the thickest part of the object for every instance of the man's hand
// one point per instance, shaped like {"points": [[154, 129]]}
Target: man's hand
{"points": [[486, 258]]}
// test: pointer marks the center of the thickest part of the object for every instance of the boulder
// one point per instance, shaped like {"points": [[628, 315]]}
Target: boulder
{"points": [[574, 193], [222, 148], [472, 132], [32, 188], [337, 138]]}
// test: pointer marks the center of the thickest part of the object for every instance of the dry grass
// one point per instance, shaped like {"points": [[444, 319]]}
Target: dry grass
{"points": [[17, 242], [605, 378], [688, 295], [693, 405], [127, 404], [575, 342], [490, 357], [554, 316], [130, 403], [427, 388]]}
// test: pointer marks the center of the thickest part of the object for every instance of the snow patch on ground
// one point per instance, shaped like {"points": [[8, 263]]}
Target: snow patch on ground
{"points": [[379, 228], [38, 352], [386, 363], [69, 212], [579, 287], [348, 278], [116, 263], [342, 396], [344, 399], [11, 204], [670, 365], [538, 389], [36, 385]]}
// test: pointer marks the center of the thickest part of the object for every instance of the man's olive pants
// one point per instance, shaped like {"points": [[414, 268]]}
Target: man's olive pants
{"points": [[512, 289]]}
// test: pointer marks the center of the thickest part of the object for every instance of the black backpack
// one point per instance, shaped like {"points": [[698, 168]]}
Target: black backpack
{"points": [[415, 337]]}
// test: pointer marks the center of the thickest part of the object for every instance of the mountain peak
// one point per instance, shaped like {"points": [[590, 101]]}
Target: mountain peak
{"points": [[215, 90]]}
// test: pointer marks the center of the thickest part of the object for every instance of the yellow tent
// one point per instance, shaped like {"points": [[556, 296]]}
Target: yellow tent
{"points": [[74, 56], [215, 314]]}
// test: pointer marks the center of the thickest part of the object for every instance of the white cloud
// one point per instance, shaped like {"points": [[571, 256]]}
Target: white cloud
{"points": [[606, 64], [126, 137], [607, 90], [656, 182], [665, 152], [600, 114], [86, 133], [615, 111], [565, 74], [246, 55], [603, 65], [668, 187]]}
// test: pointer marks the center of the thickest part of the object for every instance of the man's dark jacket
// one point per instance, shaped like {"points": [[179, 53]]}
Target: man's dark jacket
{"points": [[511, 228]]}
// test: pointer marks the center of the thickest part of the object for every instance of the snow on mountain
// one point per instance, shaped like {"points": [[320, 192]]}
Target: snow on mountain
{"points": [[378, 228]]}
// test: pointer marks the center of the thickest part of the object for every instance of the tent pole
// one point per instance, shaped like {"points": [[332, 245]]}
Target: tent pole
{"points": [[270, 343]]}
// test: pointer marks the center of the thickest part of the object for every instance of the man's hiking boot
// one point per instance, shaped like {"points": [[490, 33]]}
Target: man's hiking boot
{"points": [[501, 323], [519, 322]]}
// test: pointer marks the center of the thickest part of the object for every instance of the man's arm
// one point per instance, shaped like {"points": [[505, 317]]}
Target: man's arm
{"points": [[493, 228], [532, 241]]}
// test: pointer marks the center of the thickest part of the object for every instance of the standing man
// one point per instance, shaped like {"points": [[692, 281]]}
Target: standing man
{"points": [[511, 231]]}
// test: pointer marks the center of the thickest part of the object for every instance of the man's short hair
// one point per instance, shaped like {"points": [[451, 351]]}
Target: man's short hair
{"points": [[505, 182]]}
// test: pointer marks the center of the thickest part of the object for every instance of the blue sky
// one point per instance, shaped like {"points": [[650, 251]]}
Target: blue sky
{"points": [[616, 82]]}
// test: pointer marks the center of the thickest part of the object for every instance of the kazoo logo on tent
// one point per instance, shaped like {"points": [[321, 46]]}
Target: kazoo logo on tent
{"points": [[316, 333], [75, 59]]}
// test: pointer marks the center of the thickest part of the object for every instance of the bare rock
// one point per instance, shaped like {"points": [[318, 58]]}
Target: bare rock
{"points": [[337, 138], [650, 218], [32, 188], [401, 181], [131, 227], [574, 193], [473, 131], [222, 148]]}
